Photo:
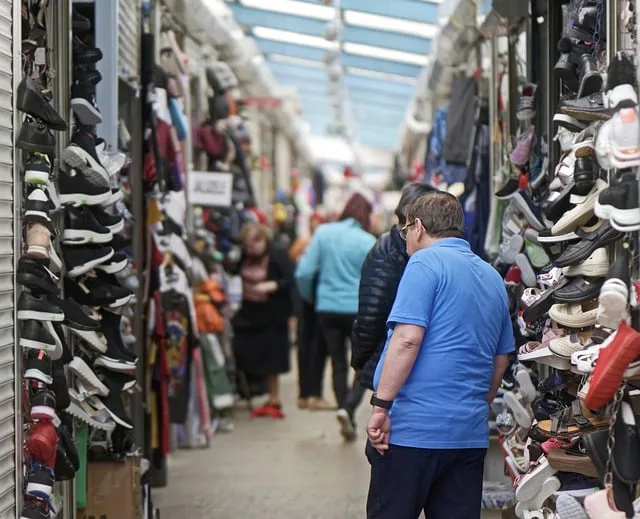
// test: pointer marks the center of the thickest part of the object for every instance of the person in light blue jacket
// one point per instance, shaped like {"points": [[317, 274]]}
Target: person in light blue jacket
{"points": [[335, 255]]}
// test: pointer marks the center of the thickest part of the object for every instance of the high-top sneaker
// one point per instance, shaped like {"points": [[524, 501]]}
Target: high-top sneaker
{"points": [[38, 241], [75, 189], [38, 204], [36, 137], [87, 74], [42, 443], [40, 481], [43, 405], [67, 459], [36, 509], [30, 100], [75, 317], [117, 357], [60, 386], [37, 168], [82, 228], [83, 103], [111, 321], [81, 155], [126, 381], [38, 367], [114, 406], [84, 54], [79, 23], [36, 277]]}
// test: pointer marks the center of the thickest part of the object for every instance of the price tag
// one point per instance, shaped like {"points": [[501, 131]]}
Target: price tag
{"points": [[40, 57]]}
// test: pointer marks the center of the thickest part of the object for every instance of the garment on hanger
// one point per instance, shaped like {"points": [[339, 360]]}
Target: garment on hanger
{"points": [[460, 121]]}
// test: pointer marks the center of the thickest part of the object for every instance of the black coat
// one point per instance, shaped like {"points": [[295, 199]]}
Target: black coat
{"points": [[381, 274]]}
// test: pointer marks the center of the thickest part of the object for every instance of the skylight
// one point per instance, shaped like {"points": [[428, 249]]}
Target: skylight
{"points": [[374, 74], [292, 37], [306, 9], [382, 53], [280, 58], [387, 23]]}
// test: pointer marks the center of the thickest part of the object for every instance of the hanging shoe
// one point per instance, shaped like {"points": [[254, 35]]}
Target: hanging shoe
{"points": [[590, 78], [36, 137], [30, 100]]}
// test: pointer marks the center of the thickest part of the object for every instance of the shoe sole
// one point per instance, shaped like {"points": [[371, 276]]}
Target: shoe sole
{"points": [[115, 229], [585, 115], [573, 321], [77, 412], [80, 369], [518, 409], [78, 270], [90, 337], [113, 268], [24, 315], [521, 203], [549, 487], [76, 158], [121, 366], [42, 412], [36, 374], [77, 199], [531, 485], [39, 489], [607, 374], [31, 344], [84, 237], [122, 301], [568, 122], [86, 112], [612, 305], [117, 419], [590, 84], [30, 103], [113, 198], [38, 178]]}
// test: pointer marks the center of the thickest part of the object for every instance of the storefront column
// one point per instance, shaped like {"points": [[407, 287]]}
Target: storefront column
{"points": [[107, 91]]}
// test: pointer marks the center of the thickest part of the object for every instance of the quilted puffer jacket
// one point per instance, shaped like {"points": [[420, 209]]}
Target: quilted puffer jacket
{"points": [[381, 274]]}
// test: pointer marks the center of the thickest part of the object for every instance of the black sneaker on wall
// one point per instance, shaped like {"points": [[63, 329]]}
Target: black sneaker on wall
{"points": [[81, 155], [75, 189], [80, 260], [32, 101], [37, 168], [41, 308], [82, 227], [35, 136], [36, 277], [84, 54]]}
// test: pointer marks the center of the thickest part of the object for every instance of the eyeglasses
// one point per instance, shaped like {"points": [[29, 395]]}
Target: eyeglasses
{"points": [[405, 230]]}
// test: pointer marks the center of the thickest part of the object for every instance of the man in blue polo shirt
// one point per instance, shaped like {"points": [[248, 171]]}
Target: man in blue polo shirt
{"points": [[449, 338]]}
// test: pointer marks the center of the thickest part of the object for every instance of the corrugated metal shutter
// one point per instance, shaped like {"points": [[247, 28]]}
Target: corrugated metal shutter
{"points": [[129, 14], [7, 342]]}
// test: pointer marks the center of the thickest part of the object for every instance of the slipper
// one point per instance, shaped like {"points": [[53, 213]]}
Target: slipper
{"points": [[613, 301], [568, 507], [571, 422], [514, 400], [612, 362], [565, 347], [529, 485]]}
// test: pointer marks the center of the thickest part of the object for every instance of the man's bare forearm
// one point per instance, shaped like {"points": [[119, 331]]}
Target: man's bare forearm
{"points": [[500, 365], [401, 356]]}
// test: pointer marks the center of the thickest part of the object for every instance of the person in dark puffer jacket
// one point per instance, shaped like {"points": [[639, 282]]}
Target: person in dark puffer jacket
{"points": [[381, 274]]}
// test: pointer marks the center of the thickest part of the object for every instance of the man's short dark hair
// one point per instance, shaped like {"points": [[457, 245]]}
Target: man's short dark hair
{"points": [[440, 213], [409, 195]]}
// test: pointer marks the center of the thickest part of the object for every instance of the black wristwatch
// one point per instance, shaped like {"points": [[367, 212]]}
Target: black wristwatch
{"points": [[378, 402]]}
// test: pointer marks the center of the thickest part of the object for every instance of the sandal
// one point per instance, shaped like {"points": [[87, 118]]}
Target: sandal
{"points": [[571, 422]]}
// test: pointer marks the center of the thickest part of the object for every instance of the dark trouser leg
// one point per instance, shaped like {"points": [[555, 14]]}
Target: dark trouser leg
{"points": [[354, 398], [318, 360], [306, 332], [399, 483], [457, 491], [336, 345]]}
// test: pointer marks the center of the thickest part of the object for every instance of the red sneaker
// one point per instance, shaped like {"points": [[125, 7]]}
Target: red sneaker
{"points": [[513, 276], [270, 410], [43, 443], [612, 361]]}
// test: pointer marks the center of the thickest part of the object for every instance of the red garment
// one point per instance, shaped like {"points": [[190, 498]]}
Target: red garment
{"points": [[163, 375], [165, 142], [212, 143]]}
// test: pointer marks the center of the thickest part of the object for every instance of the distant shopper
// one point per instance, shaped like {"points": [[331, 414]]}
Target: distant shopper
{"points": [[312, 348], [379, 281], [261, 334], [335, 255], [440, 369]]}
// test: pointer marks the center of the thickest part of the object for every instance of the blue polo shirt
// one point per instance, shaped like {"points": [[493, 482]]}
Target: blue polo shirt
{"points": [[462, 303]]}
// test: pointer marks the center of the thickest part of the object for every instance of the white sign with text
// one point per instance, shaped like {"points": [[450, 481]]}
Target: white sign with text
{"points": [[210, 189]]}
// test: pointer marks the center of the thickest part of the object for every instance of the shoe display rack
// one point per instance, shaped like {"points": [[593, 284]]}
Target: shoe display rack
{"points": [[75, 264], [568, 411]]}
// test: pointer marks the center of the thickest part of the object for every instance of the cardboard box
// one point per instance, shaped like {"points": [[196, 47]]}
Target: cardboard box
{"points": [[113, 490]]}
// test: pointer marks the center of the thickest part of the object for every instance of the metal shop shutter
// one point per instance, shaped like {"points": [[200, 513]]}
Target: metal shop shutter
{"points": [[129, 19], [7, 341]]}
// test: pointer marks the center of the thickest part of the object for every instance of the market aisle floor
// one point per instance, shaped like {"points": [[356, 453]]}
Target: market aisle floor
{"points": [[297, 468]]}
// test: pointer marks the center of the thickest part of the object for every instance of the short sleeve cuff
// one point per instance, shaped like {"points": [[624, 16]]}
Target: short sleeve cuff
{"points": [[506, 349], [398, 319]]}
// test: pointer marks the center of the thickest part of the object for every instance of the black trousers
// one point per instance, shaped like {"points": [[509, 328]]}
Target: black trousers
{"points": [[312, 353], [336, 329], [445, 484]]}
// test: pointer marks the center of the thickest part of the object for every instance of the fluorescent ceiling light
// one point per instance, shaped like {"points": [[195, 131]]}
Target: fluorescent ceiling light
{"points": [[280, 58], [292, 37], [388, 54], [387, 23], [374, 74], [308, 10]]}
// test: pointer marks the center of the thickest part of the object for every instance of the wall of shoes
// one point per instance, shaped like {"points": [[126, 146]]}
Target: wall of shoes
{"points": [[568, 414]]}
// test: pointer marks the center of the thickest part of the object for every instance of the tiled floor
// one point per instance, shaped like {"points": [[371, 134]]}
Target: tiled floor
{"points": [[297, 468]]}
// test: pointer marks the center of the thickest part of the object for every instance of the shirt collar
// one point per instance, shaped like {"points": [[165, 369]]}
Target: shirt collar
{"points": [[456, 243]]}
